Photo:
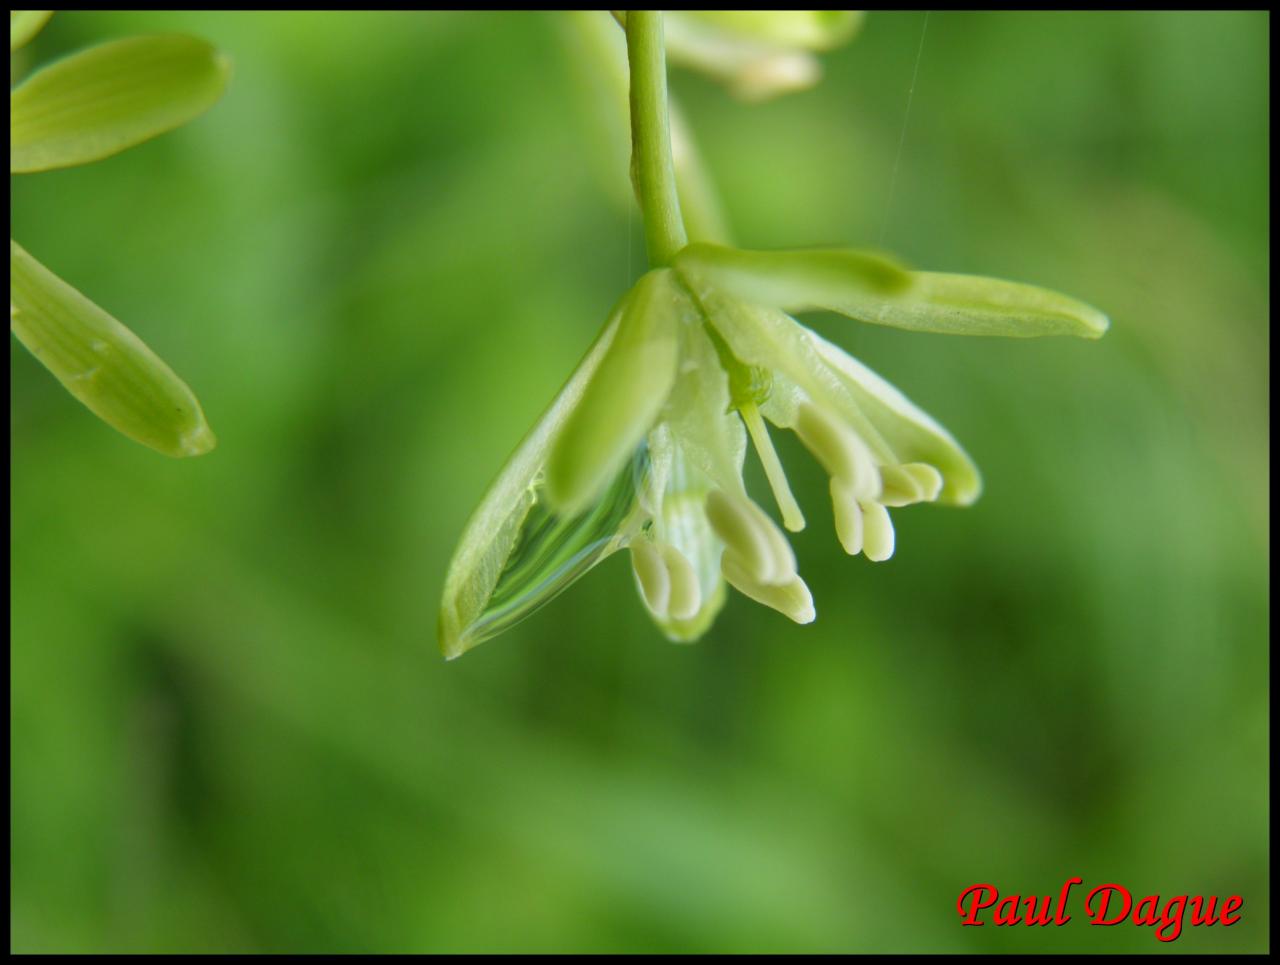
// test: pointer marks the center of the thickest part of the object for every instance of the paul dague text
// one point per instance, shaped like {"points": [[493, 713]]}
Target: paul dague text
{"points": [[1108, 904]]}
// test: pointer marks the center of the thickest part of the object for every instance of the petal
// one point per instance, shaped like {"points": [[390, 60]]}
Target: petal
{"points": [[699, 413], [681, 525], [514, 508], [622, 397], [913, 435], [103, 100], [972, 305], [24, 25], [710, 603], [777, 343], [102, 363], [794, 280]]}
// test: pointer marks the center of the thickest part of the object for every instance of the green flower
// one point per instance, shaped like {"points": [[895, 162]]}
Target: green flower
{"points": [[644, 447], [86, 107]]}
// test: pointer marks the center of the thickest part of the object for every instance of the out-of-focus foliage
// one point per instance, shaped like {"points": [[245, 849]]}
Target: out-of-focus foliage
{"points": [[230, 726]]}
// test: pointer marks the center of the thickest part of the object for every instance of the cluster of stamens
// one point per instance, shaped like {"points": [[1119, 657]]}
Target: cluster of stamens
{"points": [[667, 580], [757, 559], [863, 488]]}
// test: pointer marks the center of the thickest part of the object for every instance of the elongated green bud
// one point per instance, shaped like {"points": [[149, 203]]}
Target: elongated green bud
{"points": [[102, 363], [100, 101], [623, 396]]}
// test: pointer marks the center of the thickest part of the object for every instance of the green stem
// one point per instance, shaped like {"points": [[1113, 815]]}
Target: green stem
{"points": [[651, 166]]}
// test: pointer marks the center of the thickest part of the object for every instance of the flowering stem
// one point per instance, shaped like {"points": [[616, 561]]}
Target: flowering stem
{"points": [[652, 170]]}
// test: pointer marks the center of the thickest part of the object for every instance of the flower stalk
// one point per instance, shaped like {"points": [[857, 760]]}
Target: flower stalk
{"points": [[652, 168]]}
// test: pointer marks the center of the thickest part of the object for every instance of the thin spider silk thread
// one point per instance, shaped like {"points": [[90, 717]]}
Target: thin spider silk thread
{"points": [[897, 161]]}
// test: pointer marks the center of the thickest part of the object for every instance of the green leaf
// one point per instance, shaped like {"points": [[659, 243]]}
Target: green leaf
{"points": [[623, 398], [793, 280], [102, 363], [103, 100], [25, 24], [912, 435], [972, 305], [495, 529]]}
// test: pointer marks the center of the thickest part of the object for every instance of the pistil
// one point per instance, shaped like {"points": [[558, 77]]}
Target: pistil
{"points": [[792, 518]]}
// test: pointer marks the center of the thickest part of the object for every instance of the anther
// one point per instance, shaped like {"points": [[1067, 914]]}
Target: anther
{"points": [[899, 487], [840, 450], [651, 573], [735, 522], [877, 531], [784, 557], [927, 478], [792, 599], [848, 517], [686, 594]]}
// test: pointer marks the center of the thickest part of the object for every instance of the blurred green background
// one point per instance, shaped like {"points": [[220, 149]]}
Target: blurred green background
{"points": [[377, 259]]}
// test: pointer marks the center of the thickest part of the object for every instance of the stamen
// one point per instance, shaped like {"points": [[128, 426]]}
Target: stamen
{"points": [[792, 518], [792, 599], [848, 515], [927, 478], [686, 594], [784, 557], [651, 575], [736, 524], [898, 487], [840, 450], [877, 532]]}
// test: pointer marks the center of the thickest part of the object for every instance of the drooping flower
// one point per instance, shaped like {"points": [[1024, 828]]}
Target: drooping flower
{"points": [[644, 447]]}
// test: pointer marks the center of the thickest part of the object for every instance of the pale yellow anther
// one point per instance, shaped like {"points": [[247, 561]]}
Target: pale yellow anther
{"points": [[927, 478], [877, 532], [736, 521], [686, 594], [899, 487], [792, 599], [651, 574], [784, 557], [848, 517], [840, 450]]}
